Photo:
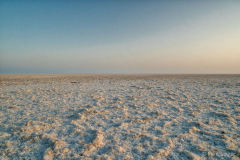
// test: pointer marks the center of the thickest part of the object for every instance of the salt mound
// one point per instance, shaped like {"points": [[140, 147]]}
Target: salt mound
{"points": [[96, 143], [49, 154]]}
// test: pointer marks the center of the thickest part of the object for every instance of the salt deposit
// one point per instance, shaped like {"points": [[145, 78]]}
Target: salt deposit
{"points": [[120, 117]]}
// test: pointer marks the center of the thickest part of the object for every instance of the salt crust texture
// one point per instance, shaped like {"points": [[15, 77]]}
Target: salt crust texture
{"points": [[120, 117]]}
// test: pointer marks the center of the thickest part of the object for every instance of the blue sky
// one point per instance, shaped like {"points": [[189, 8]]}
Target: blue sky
{"points": [[120, 37]]}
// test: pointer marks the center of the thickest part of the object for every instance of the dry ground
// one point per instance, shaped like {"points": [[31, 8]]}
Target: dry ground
{"points": [[119, 117]]}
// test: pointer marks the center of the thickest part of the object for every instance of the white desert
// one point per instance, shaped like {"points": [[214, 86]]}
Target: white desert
{"points": [[115, 117]]}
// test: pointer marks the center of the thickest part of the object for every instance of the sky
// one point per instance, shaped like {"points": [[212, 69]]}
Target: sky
{"points": [[110, 36]]}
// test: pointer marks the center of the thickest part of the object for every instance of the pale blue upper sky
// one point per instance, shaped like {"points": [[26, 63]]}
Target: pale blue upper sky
{"points": [[120, 36]]}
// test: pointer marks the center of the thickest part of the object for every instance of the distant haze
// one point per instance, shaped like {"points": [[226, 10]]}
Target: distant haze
{"points": [[166, 37]]}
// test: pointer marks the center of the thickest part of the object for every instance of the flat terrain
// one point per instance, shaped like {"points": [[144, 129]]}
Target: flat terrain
{"points": [[119, 117]]}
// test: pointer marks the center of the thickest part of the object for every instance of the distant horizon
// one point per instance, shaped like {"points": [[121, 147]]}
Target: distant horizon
{"points": [[116, 74], [114, 37]]}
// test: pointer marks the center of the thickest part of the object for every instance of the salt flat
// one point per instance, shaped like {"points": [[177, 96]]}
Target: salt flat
{"points": [[120, 117]]}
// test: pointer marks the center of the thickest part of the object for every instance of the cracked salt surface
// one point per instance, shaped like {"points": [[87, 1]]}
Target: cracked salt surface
{"points": [[120, 117]]}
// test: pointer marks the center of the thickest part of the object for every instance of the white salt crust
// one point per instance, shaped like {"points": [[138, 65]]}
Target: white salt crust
{"points": [[119, 117]]}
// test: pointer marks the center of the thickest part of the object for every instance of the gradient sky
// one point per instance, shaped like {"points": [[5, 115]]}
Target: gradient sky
{"points": [[110, 36]]}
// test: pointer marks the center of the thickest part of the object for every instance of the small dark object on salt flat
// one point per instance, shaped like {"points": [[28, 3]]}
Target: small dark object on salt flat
{"points": [[73, 82]]}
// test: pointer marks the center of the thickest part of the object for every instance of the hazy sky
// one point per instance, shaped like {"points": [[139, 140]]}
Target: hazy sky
{"points": [[120, 36]]}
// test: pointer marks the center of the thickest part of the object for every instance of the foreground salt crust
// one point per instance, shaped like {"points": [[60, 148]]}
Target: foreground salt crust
{"points": [[120, 117]]}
